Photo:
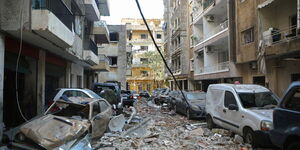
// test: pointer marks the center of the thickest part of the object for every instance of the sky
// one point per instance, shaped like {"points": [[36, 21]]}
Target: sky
{"points": [[127, 9]]}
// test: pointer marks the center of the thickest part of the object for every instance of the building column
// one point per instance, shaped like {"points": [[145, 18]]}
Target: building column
{"points": [[2, 50], [68, 75], [41, 79]]}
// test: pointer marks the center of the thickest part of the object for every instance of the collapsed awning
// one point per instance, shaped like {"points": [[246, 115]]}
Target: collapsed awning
{"points": [[264, 4]]}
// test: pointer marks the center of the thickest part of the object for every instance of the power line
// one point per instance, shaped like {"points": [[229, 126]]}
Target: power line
{"points": [[161, 55]]}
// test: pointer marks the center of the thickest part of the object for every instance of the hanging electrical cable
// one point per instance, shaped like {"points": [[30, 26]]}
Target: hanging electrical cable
{"points": [[18, 59], [160, 53]]}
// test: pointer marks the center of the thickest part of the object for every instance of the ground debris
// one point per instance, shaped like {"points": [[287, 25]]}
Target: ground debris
{"points": [[167, 131]]}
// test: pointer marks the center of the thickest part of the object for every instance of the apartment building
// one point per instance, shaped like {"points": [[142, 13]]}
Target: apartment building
{"points": [[58, 50], [113, 57], [213, 41], [268, 46], [176, 42], [141, 73]]}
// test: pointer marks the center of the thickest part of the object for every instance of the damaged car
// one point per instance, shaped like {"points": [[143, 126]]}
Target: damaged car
{"points": [[66, 123]]}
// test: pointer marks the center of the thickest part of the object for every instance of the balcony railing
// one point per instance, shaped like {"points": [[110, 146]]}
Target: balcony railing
{"points": [[215, 68], [93, 47], [273, 35], [104, 58], [58, 8], [219, 28]]}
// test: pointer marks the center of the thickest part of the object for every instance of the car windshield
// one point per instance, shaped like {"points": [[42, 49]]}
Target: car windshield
{"points": [[258, 100], [195, 96], [93, 94]]}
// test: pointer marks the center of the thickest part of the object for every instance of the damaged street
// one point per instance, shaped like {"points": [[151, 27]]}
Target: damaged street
{"points": [[155, 127]]}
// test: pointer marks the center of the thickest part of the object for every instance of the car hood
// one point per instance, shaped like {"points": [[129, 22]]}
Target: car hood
{"points": [[51, 131], [268, 114]]}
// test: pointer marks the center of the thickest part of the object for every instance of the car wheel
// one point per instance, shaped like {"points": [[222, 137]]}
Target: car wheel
{"points": [[188, 115], [294, 145], [249, 137], [210, 122]]}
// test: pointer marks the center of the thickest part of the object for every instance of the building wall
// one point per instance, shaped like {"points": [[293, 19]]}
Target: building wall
{"points": [[118, 73]]}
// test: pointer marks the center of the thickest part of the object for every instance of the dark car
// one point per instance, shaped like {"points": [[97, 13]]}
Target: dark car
{"points": [[171, 100], [99, 87], [194, 107], [163, 96], [144, 94], [158, 93], [286, 120], [127, 98]]}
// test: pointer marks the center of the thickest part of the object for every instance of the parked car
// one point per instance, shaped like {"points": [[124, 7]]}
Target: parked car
{"points": [[144, 93], [99, 87], [163, 96], [157, 94], [74, 92], [194, 107], [66, 122], [127, 98], [286, 120], [135, 94], [241, 108], [171, 100]]}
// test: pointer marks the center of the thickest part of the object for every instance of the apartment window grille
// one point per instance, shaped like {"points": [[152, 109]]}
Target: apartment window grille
{"points": [[144, 36], [248, 36], [113, 61]]}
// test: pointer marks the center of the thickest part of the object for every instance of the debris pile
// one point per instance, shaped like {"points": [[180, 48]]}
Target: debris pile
{"points": [[156, 128]]}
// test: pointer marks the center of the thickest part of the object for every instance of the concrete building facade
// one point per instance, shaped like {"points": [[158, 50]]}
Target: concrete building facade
{"points": [[141, 75], [46, 38], [176, 42], [114, 53], [268, 33]]}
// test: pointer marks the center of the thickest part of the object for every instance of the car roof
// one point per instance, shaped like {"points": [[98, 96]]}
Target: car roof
{"points": [[106, 84], [243, 88], [78, 89]]}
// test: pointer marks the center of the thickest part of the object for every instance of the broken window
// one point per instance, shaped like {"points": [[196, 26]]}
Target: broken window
{"points": [[103, 106], [96, 109], [113, 61], [69, 110], [114, 36], [248, 36], [144, 73], [144, 60]]}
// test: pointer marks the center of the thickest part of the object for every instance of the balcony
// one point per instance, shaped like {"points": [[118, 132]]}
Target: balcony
{"points": [[138, 27], [91, 10], [220, 67], [218, 29], [90, 54], [103, 7], [47, 22], [208, 3], [101, 32], [103, 64]]}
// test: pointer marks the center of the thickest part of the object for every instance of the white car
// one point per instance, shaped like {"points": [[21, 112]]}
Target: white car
{"points": [[241, 108], [73, 92]]}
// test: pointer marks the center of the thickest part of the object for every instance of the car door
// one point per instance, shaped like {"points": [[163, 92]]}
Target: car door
{"points": [[231, 118], [101, 116]]}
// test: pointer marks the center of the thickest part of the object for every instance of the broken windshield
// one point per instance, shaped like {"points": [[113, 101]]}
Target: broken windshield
{"points": [[69, 110], [258, 100]]}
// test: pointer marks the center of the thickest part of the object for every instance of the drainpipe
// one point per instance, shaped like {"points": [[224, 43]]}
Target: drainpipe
{"points": [[298, 16]]}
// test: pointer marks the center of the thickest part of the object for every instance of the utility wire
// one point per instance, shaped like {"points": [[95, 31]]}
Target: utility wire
{"points": [[18, 59], [161, 55]]}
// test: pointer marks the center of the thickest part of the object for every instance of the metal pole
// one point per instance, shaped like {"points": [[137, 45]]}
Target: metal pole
{"points": [[298, 16]]}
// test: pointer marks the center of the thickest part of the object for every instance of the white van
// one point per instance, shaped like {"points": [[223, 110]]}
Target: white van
{"points": [[241, 108]]}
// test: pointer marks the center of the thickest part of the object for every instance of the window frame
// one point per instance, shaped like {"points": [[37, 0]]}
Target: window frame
{"points": [[244, 37]]}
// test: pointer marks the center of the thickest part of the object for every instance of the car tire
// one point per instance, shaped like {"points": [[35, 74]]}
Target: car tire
{"points": [[188, 115], [249, 137], [209, 121], [294, 145]]}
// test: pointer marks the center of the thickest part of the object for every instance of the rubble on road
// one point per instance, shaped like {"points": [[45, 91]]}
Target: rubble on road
{"points": [[160, 129]]}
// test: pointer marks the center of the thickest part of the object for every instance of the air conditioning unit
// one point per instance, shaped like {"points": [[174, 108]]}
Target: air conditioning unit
{"points": [[210, 18]]}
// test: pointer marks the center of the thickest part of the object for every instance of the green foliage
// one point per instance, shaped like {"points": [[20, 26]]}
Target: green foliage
{"points": [[156, 64]]}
